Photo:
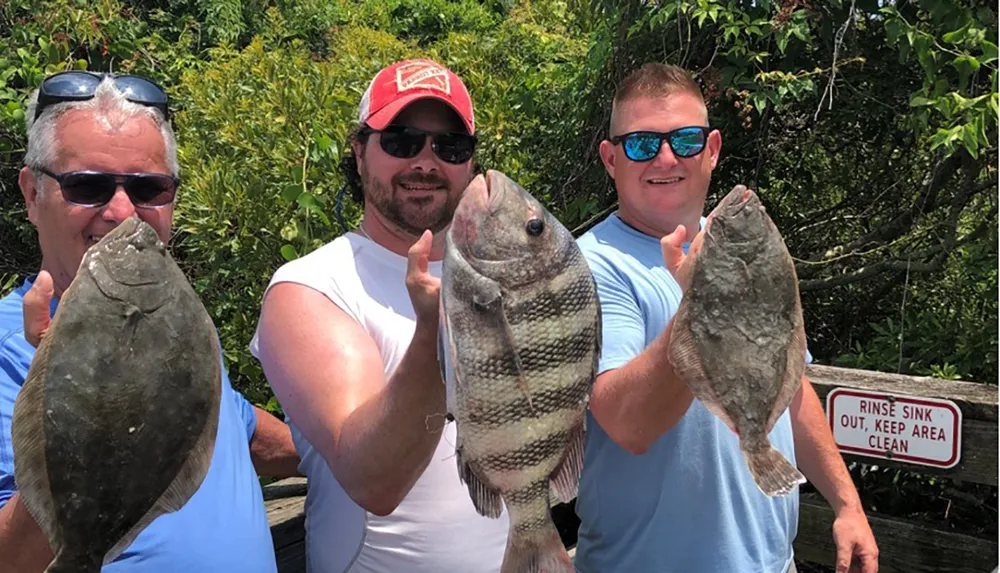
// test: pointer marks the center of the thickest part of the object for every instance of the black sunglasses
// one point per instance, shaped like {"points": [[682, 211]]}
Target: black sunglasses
{"points": [[96, 188], [80, 85], [406, 142], [645, 145]]}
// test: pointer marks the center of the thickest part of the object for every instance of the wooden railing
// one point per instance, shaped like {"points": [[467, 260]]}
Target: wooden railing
{"points": [[905, 545]]}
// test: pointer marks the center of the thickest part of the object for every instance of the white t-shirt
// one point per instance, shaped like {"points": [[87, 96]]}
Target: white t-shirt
{"points": [[435, 528]]}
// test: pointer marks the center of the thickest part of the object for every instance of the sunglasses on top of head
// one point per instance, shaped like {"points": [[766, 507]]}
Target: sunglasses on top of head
{"points": [[80, 85], [96, 188], [406, 142], [645, 145]]}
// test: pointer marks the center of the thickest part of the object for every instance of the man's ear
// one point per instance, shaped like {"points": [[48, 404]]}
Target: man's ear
{"points": [[30, 191], [358, 149], [607, 153], [714, 146]]}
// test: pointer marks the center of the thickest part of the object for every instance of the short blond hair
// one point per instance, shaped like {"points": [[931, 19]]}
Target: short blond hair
{"points": [[655, 80]]}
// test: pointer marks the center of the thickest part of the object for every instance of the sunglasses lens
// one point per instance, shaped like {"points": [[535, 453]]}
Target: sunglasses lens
{"points": [[641, 146], [141, 90], [454, 147], [402, 143], [150, 189], [88, 188], [687, 141], [71, 85]]}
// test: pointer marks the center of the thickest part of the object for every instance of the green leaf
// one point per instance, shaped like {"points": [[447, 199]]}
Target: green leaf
{"points": [[989, 52], [994, 104], [971, 140], [288, 252], [918, 101], [957, 36], [306, 200], [966, 66], [291, 192]]}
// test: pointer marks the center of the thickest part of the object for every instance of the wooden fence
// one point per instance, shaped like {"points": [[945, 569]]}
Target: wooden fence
{"points": [[905, 545]]}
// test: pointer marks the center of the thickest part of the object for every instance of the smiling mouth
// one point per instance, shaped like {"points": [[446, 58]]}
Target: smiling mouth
{"points": [[93, 240], [421, 187], [664, 180]]}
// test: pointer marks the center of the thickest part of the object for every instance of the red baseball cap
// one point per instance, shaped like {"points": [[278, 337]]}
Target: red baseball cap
{"points": [[403, 83]]}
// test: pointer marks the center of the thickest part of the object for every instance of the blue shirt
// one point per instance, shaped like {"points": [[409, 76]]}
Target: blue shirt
{"points": [[223, 527], [689, 504]]}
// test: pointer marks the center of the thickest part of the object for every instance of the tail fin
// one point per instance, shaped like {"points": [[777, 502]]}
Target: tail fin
{"points": [[771, 470], [536, 551]]}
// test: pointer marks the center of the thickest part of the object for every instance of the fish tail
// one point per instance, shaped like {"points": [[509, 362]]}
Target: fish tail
{"points": [[536, 551], [773, 473]]}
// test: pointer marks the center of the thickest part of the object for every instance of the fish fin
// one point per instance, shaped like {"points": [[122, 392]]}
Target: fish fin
{"points": [[772, 472], [566, 479], [687, 364], [536, 551], [486, 501], [66, 564], [28, 439], [795, 365]]}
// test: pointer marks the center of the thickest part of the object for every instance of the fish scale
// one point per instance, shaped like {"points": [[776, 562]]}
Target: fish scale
{"points": [[520, 339]]}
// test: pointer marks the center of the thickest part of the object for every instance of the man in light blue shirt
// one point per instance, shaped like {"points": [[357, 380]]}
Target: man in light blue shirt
{"points": [[665, 487], [83, 130]]}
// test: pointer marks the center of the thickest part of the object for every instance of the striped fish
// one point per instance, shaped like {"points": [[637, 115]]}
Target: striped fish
{"points": [[520, 340]]}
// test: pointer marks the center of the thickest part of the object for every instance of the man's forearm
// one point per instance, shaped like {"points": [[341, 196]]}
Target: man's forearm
{"points": [[387, 442], [638, 402], [817, 454], [23, 546], [271, 448]]}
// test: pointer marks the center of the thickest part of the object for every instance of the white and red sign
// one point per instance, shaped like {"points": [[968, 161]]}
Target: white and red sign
{"points": [[917, 430]]}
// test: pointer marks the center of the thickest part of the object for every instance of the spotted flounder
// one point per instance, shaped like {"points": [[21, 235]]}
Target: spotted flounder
{"points": [[115, 424], [738, 338]]}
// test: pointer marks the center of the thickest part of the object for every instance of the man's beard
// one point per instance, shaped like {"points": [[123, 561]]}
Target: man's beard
{"points": [[383, 198]]}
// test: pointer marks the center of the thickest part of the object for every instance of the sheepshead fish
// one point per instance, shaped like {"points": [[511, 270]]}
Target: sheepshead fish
{"points": [[520, 340], [738, 338], [115, 424]]}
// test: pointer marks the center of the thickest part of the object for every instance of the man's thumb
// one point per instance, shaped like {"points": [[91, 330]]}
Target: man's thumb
{"points": [[673, 251], [36, 308]]}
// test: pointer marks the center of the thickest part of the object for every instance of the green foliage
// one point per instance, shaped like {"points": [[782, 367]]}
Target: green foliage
{"points": [[871, 136]]}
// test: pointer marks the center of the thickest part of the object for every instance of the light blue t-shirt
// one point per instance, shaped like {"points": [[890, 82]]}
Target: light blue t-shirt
{"points": [[689, 504], [223, 527]]}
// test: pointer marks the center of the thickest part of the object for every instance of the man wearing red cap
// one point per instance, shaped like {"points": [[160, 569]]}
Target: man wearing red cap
{"points": [[348, 340]]}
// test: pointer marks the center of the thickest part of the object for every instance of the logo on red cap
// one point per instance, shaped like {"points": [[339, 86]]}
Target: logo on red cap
{"points": [[426, 75], [396, 86]]}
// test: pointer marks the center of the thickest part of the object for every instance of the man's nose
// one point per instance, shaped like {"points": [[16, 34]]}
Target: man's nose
{"points": [[119, 208], [426, 160], [665, 157]]}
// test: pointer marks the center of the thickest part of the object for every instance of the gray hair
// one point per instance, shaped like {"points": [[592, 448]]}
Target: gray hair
{"points": [[110, 107]]}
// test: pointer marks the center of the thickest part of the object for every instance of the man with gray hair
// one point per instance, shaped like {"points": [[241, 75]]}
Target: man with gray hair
{"points": [[101, 150]]}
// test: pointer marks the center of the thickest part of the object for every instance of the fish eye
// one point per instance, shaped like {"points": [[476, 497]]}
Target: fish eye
{"points": [[535, 227]]}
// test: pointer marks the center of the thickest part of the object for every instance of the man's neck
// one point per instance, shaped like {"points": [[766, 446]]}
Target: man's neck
{"points": [[396, 240], [664, 227]]}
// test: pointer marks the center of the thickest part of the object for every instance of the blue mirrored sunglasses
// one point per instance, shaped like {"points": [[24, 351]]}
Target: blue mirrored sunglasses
{"points": [[645, 145], [80, 85]]}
